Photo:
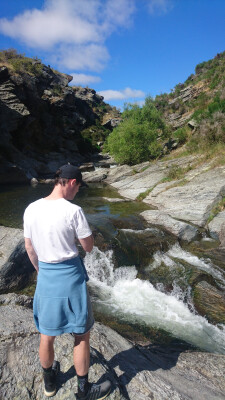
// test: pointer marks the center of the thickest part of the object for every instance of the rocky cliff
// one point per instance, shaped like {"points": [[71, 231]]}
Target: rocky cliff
{"points": [[198, 103], [42, 119]]}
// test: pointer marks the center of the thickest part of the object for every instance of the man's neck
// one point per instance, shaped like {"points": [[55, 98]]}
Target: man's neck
{"points": [[57, 193]]}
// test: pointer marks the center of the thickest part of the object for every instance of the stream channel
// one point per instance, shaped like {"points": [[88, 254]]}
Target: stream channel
{"points": [[139, 274]]}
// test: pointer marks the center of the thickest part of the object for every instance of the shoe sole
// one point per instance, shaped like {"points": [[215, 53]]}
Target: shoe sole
{"points": [[101, 398], [50, 394]]}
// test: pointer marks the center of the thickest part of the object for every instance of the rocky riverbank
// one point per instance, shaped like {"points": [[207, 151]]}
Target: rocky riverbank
{"points": [[156, 372], [183, 193]]}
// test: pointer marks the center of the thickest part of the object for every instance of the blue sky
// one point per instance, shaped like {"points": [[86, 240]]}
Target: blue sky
{"points": [[124, 49]]}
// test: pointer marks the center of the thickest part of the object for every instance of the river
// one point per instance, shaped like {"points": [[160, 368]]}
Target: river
{"points": [[139, 275]]}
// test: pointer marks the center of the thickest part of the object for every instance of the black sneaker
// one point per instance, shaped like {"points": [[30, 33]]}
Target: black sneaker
{"points": [[50, 379], [96, 392]]}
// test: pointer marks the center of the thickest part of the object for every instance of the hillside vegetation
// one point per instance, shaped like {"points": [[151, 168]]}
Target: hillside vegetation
{"points": [[191, 117]]}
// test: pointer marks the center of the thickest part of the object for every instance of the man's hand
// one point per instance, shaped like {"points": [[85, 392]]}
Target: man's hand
{"points": [[87, 243], [31, 253]]}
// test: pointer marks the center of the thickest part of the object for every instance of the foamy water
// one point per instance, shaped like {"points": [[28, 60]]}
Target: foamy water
{"points": [[176, 253], [136, 300]]}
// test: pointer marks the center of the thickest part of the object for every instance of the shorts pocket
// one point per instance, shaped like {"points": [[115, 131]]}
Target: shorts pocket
{"points": [[54, 312]]}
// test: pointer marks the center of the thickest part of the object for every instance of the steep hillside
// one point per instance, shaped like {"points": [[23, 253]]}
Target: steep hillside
{"points": [[198, 104], [43, 121], [192, 116]]}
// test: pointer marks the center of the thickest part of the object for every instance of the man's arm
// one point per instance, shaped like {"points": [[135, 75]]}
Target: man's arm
{"points": [[87, 243], [31, 253]]}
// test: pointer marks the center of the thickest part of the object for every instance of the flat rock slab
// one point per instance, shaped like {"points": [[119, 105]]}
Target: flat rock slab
{"points": [[21, 375], [160, 372], [154, 372], [180, 229], [194, 201], [131, 181]]}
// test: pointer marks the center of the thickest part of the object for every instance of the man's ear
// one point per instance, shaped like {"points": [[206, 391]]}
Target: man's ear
{"points": [[73, 182]]}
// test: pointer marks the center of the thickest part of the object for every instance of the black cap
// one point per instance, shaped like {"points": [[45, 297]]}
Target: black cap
{"points": [[69, 171]]}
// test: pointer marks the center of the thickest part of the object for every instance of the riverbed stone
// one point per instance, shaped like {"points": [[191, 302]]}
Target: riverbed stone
{"points": [[155, 372], [180, 229], [15, 267], [95, 176], [210, 301], [215, 225]]}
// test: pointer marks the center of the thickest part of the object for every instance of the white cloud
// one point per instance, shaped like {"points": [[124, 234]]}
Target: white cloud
{"points": [[82, 79], [72, 31], [159, 6], [127, 93], [81, 57]]}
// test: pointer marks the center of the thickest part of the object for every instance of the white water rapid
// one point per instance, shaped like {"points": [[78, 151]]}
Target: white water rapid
{"points": [[135, 300]]}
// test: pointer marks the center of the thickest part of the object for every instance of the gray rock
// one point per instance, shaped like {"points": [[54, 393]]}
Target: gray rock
{"points": [[114, 199], [34, 181], [222, 235], [39, 111], [87, 167], [180, 229], [154, 372], [15, 267], [216, 224], [210, 301], [194, 201], [21, 375], [131, 181], [159, 372], [95, 176]]}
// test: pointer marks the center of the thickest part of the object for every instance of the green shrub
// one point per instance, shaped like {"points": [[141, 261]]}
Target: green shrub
{"points": [[135, 139], [181, 135]]}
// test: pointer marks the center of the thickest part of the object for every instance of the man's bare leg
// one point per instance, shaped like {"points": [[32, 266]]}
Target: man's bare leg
{"points": [[81, 354], [46, 350]]}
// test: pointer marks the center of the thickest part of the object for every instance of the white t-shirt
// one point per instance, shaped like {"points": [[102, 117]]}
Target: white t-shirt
{"points": [[52, 226]]}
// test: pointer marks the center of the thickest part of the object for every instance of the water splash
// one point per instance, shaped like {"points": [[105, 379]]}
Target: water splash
{"points": [[176, 252], [135, 300]]}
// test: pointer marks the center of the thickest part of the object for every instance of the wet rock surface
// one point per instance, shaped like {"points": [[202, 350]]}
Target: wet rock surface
{"points": [[156, 372], [210, 301]]}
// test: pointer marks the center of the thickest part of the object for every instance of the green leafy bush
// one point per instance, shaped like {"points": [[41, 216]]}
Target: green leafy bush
{"points": [[135, 139], [181, 135]]}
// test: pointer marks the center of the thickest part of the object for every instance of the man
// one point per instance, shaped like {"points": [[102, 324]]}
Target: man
{"points": [[61, 301]]}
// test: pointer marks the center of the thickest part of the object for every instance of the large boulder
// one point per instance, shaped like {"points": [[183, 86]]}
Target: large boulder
{"points": [[16, 269]]}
